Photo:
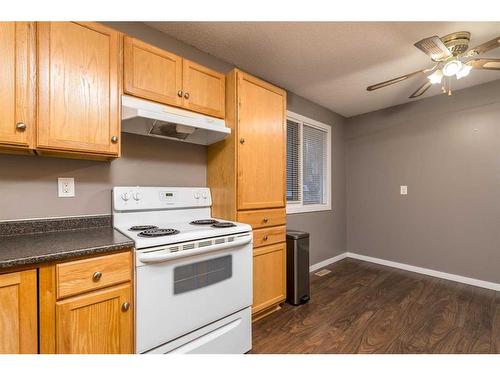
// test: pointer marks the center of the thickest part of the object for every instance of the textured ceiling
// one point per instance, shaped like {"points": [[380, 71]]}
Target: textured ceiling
{"points": [[331, 63]]}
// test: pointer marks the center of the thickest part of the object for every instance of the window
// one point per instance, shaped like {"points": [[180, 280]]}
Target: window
{"points": [[308, 165]]}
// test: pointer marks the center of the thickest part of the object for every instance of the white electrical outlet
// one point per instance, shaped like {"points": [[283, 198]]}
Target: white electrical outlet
{"points": [[66, 187], [403, 190]]}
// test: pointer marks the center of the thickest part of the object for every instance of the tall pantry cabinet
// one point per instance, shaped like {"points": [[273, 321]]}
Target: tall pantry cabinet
{"points": [[246, 173]]}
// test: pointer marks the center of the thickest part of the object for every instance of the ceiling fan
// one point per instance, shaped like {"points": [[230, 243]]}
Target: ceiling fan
{"points": [[452, 57]]}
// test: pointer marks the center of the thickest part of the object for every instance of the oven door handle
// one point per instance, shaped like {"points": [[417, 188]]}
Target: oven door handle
{"points": [[165, 255]]}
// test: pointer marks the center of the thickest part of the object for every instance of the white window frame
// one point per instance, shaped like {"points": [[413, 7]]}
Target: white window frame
{"points": [[295, 207]]}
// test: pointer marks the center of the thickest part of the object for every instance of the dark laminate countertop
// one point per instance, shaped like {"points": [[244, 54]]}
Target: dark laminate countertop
{"points": [[43, 247]]}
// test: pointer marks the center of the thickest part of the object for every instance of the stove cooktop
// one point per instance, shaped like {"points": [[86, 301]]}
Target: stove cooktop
{"points": [[150, 233], [158, 232]]}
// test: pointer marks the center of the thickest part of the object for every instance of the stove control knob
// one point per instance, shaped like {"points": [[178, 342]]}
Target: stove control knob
{"points": [[204, 195], [197, 195], [136, 196], [125, 196]]}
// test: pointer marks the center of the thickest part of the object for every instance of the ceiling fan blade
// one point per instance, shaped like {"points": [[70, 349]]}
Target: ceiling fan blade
{"points": [[486, 64], [393, 81], [485, 47], [434, 48], [421, 90]]}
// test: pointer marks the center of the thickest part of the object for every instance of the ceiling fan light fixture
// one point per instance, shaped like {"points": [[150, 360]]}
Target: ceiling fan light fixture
{"points": [[452, 68], [464, 72], [436, 77]]}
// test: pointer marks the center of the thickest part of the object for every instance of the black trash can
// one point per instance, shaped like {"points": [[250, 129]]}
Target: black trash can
{"points": [[297, 267]]}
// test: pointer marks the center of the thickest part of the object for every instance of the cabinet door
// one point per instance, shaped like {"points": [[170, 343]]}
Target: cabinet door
{"points": [[95, 323], [152, 73], [204, 89], [17, 83], [18, 313], [269, 283], [79, 90], [261, 144]]}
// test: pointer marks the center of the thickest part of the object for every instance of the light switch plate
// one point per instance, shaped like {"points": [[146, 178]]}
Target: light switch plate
{"points": [[403, 190], [66, 187]]}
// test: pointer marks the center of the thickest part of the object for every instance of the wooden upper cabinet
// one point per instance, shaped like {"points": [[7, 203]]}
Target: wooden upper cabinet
{"points": [[79, 88], [155, 74], [17, 84], [96, 323], [18, 313], [261, 168], [204, 89], [152, 73]]}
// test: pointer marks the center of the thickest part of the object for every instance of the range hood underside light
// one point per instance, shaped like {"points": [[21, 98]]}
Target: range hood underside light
{"points": [[157, 120], [149, 127]]}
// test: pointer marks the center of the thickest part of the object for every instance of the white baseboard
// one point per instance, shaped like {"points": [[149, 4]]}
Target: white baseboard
{"points": [[407, 267], [326, 262], [427, 271]]}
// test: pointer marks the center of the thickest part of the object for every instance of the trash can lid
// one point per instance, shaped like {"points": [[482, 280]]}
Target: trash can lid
{"points": [[296, 234]]}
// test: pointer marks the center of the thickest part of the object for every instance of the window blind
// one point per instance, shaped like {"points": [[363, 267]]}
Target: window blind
{"points": [[314, 170], [292, 161]]}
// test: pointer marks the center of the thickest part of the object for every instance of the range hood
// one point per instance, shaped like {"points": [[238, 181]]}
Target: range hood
{"points": [[159, 120]]}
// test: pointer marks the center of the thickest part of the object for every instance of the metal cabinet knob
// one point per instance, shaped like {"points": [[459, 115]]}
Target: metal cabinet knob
{"points": [[21, 126], [114, 139], [97, 276], [242, 140], [125, 306], [186, 95], [180, 93], [266, 219], [266, 238]]}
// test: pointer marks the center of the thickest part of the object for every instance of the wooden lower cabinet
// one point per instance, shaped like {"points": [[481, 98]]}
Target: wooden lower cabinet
{"points": [[269, 275], [18, 313], [91, 317], [96, 323]]}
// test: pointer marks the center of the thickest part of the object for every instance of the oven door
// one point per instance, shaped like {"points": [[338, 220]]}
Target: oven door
{"points": [[177, 294]]}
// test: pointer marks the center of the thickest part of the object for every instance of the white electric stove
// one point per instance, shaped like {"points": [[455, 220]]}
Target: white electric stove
{"points": [[193, 272]]}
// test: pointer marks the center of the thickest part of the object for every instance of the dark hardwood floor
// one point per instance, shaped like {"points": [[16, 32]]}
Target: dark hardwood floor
{"points": [[362, 307]]}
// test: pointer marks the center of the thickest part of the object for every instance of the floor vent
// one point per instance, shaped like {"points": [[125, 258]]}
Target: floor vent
{"points": [[323, 272]]}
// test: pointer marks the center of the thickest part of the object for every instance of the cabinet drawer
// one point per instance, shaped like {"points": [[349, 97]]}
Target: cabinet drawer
{"points": [[90, 274], [263, 218], [268, 236]]}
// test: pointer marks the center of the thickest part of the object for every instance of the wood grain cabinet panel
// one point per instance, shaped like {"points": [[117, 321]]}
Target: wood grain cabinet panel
{"points": [[204, 89], [79, 88], [246, 174], [152, 73], [17, 84], [268, 236], [94, 273], [263, 218], [269, 287], [96, 323], [261, 144], [18, 313]]}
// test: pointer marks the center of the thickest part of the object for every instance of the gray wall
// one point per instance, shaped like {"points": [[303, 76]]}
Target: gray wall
{"points": [[28, 184], [28, 187], [447, 150]]}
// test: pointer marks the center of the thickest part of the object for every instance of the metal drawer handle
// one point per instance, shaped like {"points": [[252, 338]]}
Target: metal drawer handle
{"points": [[97, 276], [125, 306], [21, 126], [266, 219], [186, 95], [180, 93], [114, 139], [266, 237], [242, 140]]}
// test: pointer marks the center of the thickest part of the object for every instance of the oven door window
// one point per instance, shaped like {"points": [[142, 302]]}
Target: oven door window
{"points": [[201, 274]]}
